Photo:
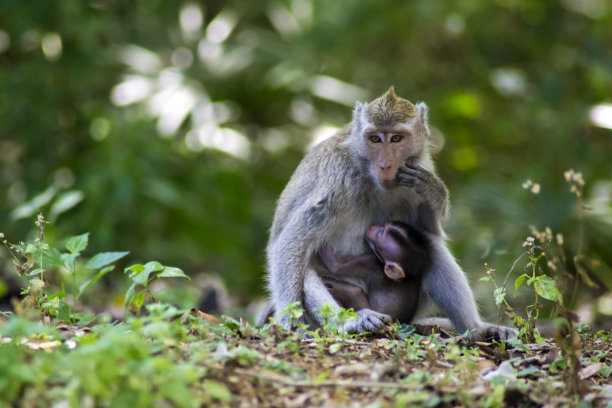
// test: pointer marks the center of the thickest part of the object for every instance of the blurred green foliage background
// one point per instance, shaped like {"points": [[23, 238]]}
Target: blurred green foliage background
{"points": [[169, 128]]}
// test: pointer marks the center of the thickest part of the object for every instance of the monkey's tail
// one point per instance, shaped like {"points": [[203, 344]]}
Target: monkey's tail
{"points": [[266, 312]]}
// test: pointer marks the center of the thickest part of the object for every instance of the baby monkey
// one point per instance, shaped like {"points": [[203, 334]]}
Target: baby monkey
{"points": [[388, 280]]}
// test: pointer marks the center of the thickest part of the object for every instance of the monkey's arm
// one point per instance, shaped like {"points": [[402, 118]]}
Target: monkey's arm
{"points": [[446, 284], [288, 255], [358, 267], [432, 189]]}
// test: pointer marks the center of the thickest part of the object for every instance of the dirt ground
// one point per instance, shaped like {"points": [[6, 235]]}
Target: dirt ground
{"points": [[392, 368]]}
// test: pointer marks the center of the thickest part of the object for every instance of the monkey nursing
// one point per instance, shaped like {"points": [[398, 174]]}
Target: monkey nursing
{"points": [[353, 180], [388, 279]]}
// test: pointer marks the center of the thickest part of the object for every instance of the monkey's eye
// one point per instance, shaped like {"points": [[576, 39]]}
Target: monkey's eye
{"points": [[375, 139], [396, 138]]}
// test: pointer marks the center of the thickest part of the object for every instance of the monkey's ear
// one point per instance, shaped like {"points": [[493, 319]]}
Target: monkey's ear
{"points": [[394, 271], [421, 114], [358, 111], [358, 117]]}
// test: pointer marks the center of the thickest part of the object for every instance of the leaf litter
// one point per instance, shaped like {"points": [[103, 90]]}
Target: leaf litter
{"points": [[385, 368], [243, 366]]}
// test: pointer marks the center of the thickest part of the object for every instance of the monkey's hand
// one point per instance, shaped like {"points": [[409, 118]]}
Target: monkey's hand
{"points": [[492, 331], [368, 320], [427, 185]]}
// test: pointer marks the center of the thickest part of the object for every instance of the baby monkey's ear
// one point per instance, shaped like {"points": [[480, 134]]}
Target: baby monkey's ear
{"points": [[394, 271]]}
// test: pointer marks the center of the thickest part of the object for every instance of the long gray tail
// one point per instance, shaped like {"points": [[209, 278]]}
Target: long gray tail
{"points": [[266, 312]]}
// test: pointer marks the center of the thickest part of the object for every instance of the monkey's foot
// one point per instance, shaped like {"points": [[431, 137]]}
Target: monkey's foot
{"points": [[498, 333], [368, 320]]}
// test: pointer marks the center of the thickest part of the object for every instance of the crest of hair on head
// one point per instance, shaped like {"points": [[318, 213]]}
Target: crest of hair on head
{"points": [[388, 110]]}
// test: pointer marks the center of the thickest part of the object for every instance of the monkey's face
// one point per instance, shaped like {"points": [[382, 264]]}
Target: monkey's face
{"points": [[388, 243], [388, 151]]}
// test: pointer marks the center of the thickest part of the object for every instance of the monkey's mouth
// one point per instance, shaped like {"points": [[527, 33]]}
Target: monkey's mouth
{"points": [[373, 248]]}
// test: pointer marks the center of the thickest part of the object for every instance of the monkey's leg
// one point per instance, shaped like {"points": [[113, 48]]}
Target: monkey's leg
{"points": [[265, 313], [446, 284]]}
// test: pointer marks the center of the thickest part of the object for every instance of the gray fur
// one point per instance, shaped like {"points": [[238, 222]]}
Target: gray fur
{"points": [[332, 198]]}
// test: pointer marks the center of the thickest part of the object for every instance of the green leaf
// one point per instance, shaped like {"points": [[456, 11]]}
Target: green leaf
{"points": [[93, 280], [77, 243], [485, 279], [405, 331], [69, 261], [321, 377], [83, 319], [558, 364], [139, 300], [50, 258], [140, 274], [334, 348], [172, 272], [529, 371], [136, 268], [63, 313], [518, 282], [35, 272], [59, 294], [500, 295], [546, 288], [129, 296], [104, 258], [538, 337], [230, 322], [216, 391]]}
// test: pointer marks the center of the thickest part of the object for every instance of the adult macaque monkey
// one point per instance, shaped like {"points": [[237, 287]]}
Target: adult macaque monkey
{"points": [[377, 168]]}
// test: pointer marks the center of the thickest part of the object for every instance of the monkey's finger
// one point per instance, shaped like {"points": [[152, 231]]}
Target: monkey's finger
{"points": [[416, 171], [419, 171], [417, 168], [410, 172], [410, 178], [413, 166], [407, 181]]}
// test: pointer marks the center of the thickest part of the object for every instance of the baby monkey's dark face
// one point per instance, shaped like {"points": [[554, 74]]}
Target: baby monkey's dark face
{"points": [[386, 241], [398, 246]]}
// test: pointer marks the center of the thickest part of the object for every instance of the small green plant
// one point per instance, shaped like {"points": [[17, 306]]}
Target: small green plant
{"points": [[139, 292], [34, 259], [546, 258], [295, 313], [333, 319], [527, 330]]}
